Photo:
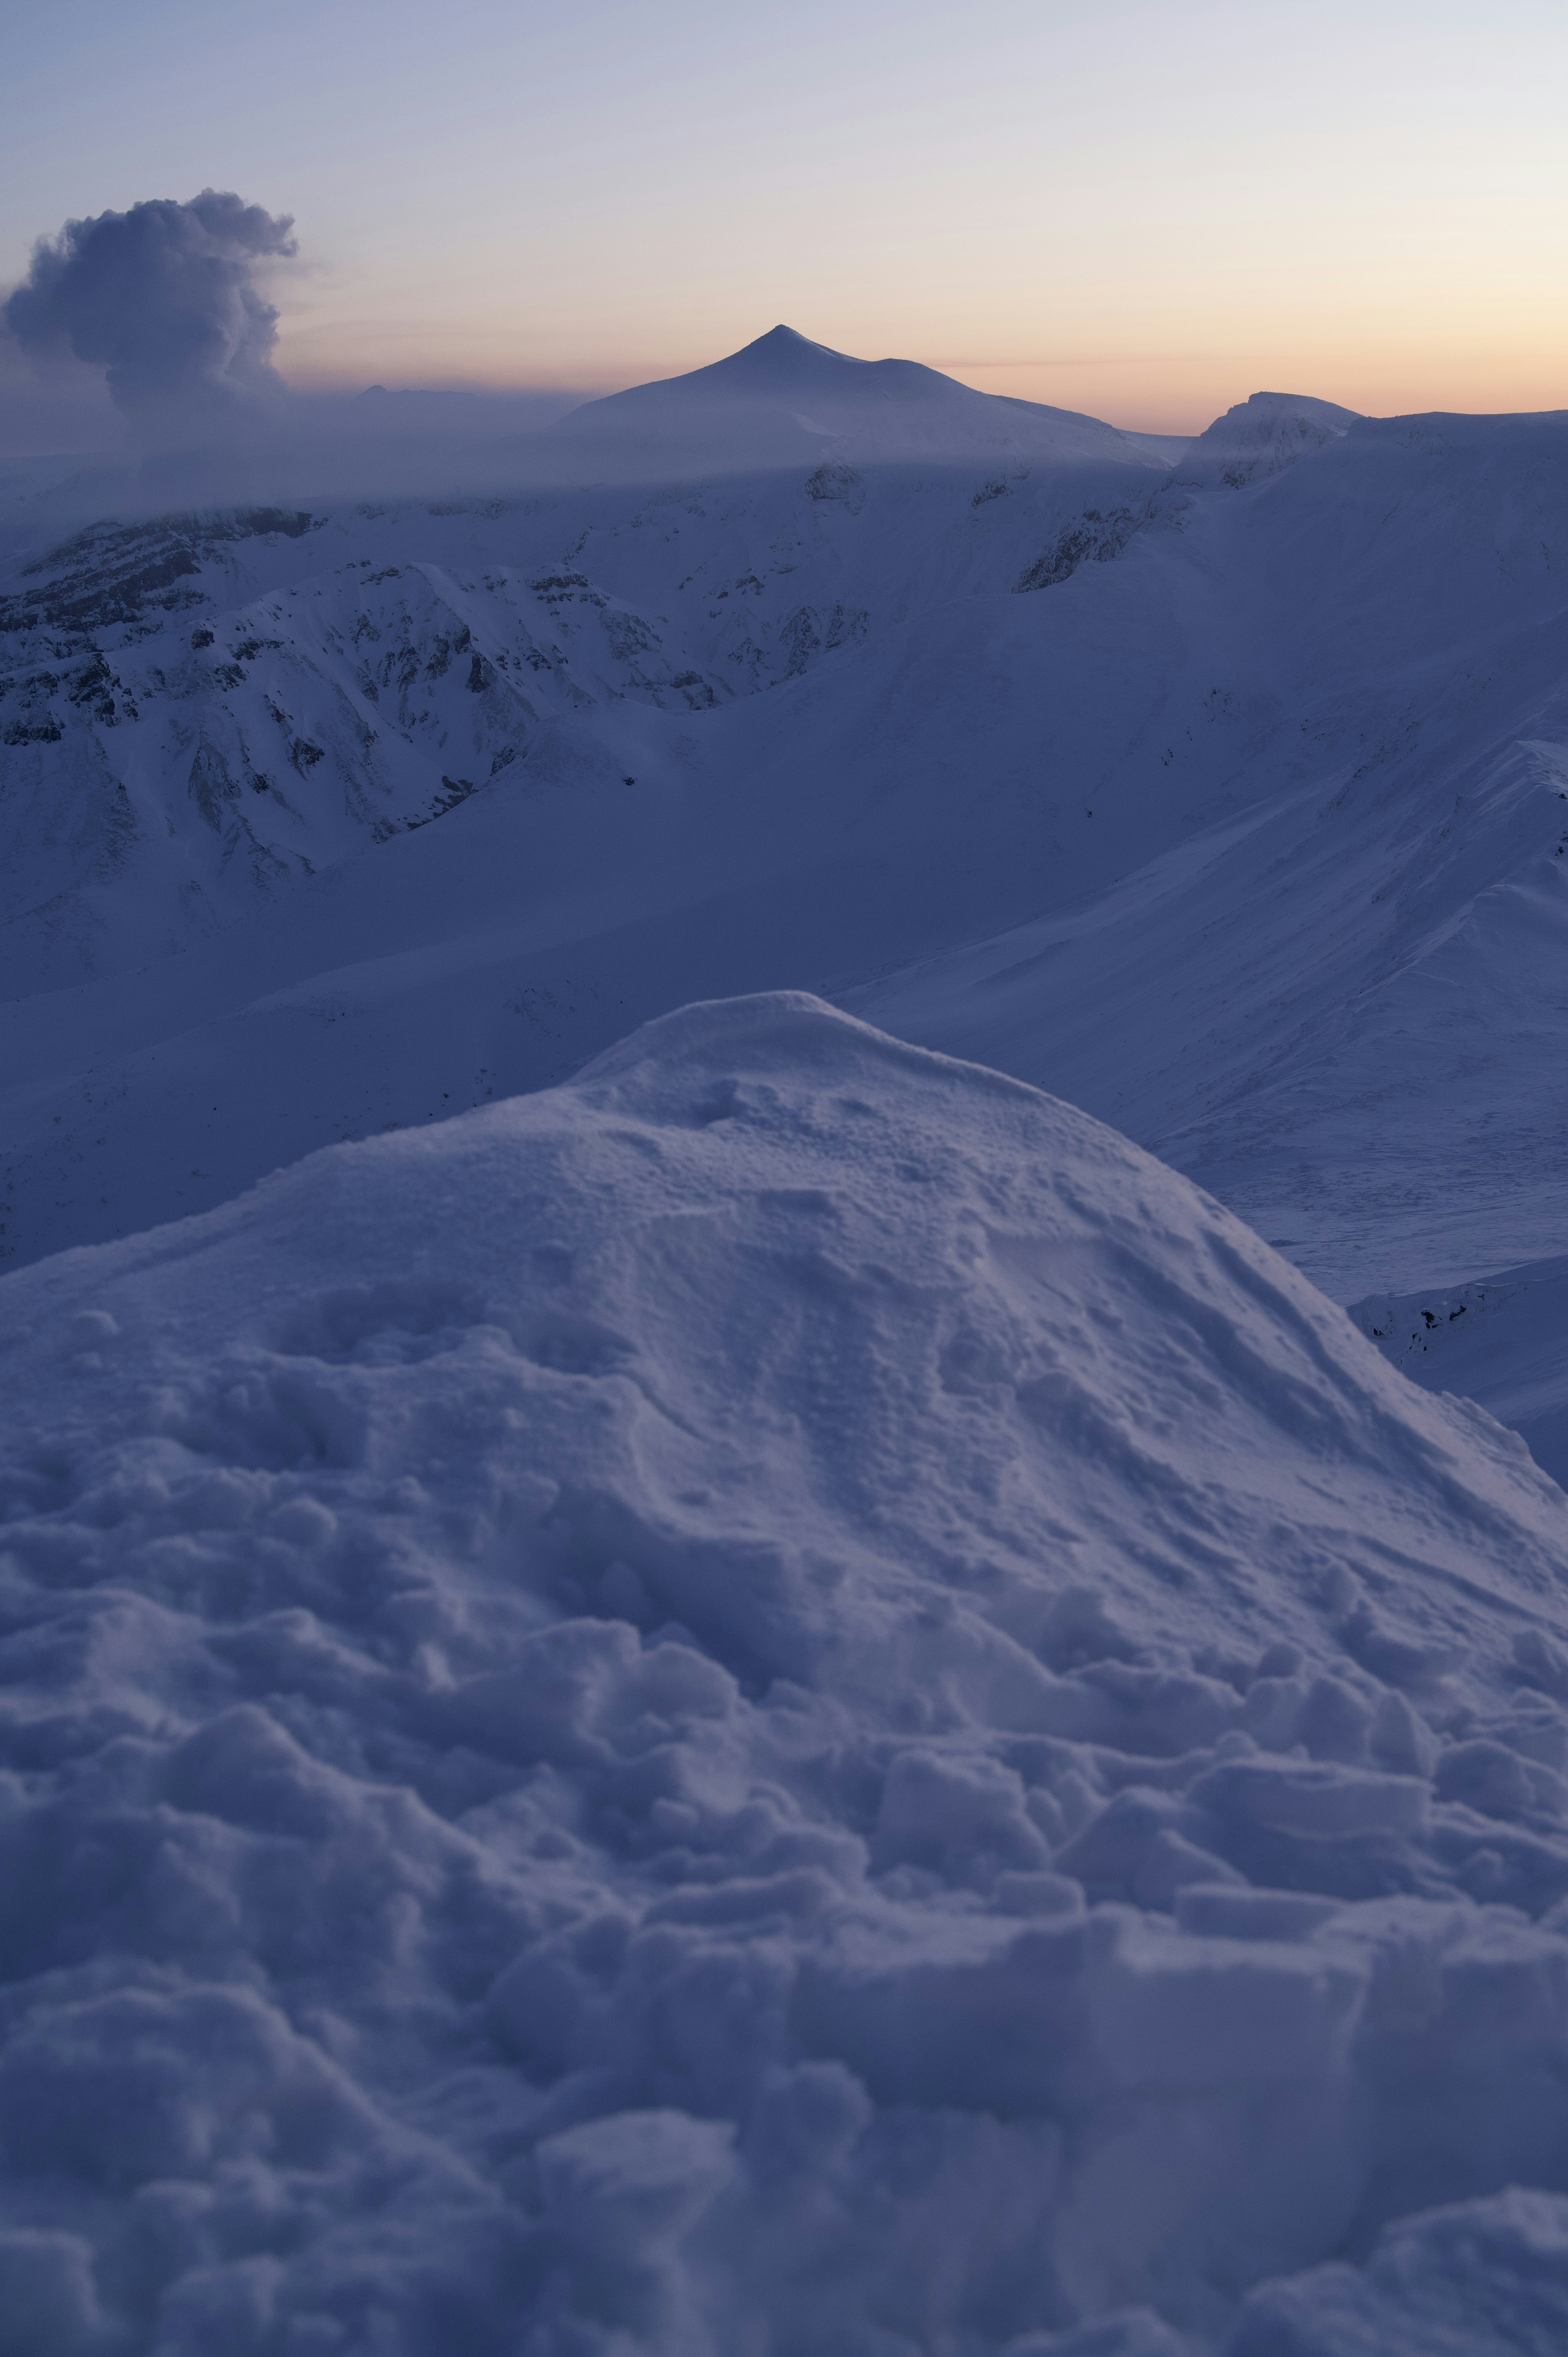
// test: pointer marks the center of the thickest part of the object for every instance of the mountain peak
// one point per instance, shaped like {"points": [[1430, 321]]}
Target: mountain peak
{"points": [[783, 400], [785, 357], [1260, 409], [1263, 435]]}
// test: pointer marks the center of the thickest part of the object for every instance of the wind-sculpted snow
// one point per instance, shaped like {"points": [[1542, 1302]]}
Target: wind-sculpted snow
{"points": [[785, 1698]]}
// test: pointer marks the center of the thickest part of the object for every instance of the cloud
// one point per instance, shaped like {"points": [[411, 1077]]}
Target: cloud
{"points": [[163, 299]]}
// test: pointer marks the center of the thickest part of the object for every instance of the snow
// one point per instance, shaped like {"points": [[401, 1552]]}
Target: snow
{"points": [[784, 401], [1244, 831], [1500, 1337], [779, 1696], [1259, 438], [785, 1696], [1483, 2281]]}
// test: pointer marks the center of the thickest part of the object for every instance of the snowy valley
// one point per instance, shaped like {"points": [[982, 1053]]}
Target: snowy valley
{"points": [[765, 1673]]}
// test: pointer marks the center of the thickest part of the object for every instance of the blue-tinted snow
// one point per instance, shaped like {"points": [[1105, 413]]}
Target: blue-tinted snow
{"points": [[1243, 829], [785, 1699]]}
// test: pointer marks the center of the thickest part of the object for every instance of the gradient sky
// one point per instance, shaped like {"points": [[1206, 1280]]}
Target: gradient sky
{"points": [[1139, 207]]}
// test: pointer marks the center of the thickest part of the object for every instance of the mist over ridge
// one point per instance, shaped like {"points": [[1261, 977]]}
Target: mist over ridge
{"points": [[168, 307]]}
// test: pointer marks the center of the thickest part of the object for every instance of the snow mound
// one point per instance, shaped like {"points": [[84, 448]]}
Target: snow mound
{"points": [[783, 399], [782, 1698]]}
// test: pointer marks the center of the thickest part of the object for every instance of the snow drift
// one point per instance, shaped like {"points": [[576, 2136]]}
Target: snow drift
{"points": [[785, 1699]]}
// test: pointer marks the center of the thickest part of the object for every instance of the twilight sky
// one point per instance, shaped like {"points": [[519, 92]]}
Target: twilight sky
{"points": [[1146, 209]]}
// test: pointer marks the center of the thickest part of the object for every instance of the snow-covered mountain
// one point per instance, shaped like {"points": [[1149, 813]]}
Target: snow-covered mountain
{"points": [[209, 719], [784, 401], [1261, 437], [780, 1696], [1230, 811], [784, 1698], [199, 706], [1338, 1002]]}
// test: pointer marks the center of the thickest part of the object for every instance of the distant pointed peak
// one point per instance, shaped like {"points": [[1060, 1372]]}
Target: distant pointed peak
{"points": [[785, 349]]}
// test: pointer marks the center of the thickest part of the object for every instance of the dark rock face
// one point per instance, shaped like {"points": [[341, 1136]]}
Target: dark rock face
{"points": [[833, 482], [1093, 539], [108, 574]]}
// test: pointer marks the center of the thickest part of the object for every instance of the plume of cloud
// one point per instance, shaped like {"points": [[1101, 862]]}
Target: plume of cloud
{"points": [[165, 299]]}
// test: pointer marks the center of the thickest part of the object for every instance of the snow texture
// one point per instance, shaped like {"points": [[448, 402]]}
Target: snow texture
{"points": [[782, 1700]]}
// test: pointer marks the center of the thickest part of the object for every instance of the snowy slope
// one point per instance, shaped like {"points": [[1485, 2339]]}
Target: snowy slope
{"points": [[782, 1699], [1230, 809], [1259, 438], [607, 751], [1339, 1009], [1503, 1338], [199, 708]]}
